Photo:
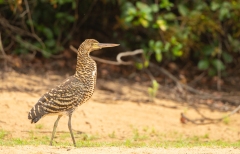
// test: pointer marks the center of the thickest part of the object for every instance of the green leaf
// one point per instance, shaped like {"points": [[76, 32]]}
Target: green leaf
{"points": [[146, 63], [162, 24], [46, 54], [201, 6], [227, 57], [74, 5], [224, 13], [155, 85], [183, 10], [218, 64], [148, 16], [50, 43], [177, 50], [158, 44], [177, 53], [143, 7], [151, 44], [131, 11], [60, 15], [70, 18], [214, 6], [48, 32], [212, 72], [129, 18], [166, 4], [203, 64], [158, 56], [139, 66], [154, 8], [208, 50], [166, 46], [169, 16], [144, 22]]}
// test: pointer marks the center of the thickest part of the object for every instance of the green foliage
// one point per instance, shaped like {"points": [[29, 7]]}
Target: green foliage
{"points": [[226, 120], [39, 126], [152, 91], [3, 134], [112, 135], [46, 31], [208, 30], [146, 139]]}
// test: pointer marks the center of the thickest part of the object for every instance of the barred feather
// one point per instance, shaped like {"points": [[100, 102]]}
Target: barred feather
{"points": [[73, 92]]}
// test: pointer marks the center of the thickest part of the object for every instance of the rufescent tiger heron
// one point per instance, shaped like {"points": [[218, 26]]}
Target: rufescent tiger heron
{"points": [[74, 91]]}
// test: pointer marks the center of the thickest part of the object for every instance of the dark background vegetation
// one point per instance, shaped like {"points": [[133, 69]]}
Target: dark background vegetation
{"points": [[195, 40]]}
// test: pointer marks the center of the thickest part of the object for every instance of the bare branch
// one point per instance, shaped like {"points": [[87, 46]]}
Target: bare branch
{"points": [[28, 45], [18, 30], [202, 121], [29, 16], [1, 47], [119, 56], [4, 55], [128, 53]]}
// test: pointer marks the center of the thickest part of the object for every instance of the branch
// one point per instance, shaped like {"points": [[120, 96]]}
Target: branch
{"points": [[28, 45], [18, 30], [184, 119], [119, 56], [29, 16], [4, 55], [1, 47]]}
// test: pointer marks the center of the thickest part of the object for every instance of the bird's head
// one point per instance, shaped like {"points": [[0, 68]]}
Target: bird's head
{"points": [[90, 45]]}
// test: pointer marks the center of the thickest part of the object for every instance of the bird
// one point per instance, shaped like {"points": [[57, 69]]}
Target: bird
{"points": [[64, 99]]}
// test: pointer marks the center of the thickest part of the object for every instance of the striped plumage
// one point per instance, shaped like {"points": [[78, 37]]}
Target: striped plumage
{"points": [[74, 91]]}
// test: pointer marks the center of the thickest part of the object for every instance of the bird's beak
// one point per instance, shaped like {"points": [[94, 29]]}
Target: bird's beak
{"points": [[103, 45]]}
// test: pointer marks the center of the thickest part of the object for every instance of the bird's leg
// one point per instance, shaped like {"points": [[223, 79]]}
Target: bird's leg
{"points": [[70, 129], [54, 128]]}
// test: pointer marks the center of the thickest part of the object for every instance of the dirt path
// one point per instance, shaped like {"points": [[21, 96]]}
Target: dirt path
{"points": [[105, 114], [112, 150]]}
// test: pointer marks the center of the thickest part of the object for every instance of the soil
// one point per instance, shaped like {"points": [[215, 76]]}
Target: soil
{"points": [[116, 106]]}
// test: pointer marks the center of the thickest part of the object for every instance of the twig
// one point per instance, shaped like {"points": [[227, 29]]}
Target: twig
{"points": [[10, 45], [198, 78], [31, 25], [15, 29], [234, 111], [28, 45], [19, 31], [4, 56], [150, 75], [165, 72], [128, 53], [218, 68], [29, 16], [119, 56], [201, 121]]}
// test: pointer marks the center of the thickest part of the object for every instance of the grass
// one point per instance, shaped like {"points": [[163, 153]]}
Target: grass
{"points": [[39, 126], [112, 135], [138, 139]]}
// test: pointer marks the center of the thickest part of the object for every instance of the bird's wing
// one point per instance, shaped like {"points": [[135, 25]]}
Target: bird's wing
{"points": [[64, 97]]}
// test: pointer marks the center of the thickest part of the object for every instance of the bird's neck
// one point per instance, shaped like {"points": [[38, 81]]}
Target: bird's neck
{"points": [[85, 65]]}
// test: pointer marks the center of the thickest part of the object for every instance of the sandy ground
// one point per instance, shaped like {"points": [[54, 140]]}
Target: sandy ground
{"points": [[113, 150], [108, 111]]}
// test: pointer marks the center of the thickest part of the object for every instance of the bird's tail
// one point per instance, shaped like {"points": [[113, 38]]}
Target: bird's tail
{"points": [[36, 113]]}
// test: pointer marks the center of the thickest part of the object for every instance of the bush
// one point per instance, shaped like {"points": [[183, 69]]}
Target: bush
{"points": [[206, 32]]}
